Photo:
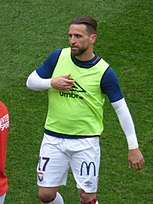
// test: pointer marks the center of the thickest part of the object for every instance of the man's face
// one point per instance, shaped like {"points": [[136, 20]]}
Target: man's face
{"points": [[79, 39]]}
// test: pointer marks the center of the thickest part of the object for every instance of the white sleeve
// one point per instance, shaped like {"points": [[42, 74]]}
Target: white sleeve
{"points": [[126, 123], [36, 83]]}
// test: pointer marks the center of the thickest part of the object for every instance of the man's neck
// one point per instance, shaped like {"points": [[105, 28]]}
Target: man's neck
{"points": [[85, 56]]}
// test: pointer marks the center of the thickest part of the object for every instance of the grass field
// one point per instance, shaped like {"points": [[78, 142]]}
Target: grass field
{"points": [[29, 32]]}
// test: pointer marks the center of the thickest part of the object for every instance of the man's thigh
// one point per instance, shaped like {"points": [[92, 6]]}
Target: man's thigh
{"points": [[53, 165], [85, 165]]}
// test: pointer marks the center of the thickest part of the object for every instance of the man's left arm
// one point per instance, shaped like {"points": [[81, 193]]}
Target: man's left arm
{"points": [[135, 157]]}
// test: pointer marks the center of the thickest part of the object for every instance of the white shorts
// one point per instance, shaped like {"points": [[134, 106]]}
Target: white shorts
{"points": [[58, 155]]}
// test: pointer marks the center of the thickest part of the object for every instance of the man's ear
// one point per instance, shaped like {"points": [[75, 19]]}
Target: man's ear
{"points": [[93, 38]]}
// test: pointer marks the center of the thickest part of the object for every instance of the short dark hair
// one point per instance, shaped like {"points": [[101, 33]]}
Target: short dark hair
{"points": [[90, 22]]}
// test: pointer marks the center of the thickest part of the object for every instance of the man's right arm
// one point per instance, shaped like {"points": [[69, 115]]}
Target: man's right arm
{"points": [[36, 83], [40, 79]]}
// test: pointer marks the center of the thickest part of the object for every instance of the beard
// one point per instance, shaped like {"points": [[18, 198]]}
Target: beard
{"points": [[78, 51]]}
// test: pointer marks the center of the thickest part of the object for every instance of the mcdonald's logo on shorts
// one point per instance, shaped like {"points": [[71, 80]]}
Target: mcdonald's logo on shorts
{"points": [[88, 168]]}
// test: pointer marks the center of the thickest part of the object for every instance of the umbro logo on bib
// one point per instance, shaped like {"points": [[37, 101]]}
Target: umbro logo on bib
{"points": [[76, 88]]}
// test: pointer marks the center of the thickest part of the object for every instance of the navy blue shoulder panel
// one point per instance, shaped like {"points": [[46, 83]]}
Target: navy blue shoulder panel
{"points": [[110, 85], [46, 69]]}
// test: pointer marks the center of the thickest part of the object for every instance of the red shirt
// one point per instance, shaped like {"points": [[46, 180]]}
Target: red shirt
{"points": [[4, 124]]}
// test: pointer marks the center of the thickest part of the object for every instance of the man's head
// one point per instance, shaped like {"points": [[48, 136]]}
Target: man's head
{"points": [[82, 36], [90, 23]]}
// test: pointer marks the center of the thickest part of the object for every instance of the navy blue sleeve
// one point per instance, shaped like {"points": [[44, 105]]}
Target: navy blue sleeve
{"points": [[45, 70], [110, 85]]}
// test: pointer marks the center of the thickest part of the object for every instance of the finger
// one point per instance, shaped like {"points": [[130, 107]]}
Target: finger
{"points": [[142, 162], [138, 166], [135, 167], [130, 164], [66, 87], [66, 76], [69, 81]]}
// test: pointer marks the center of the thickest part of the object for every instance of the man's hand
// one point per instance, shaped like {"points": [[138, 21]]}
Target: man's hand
{"points": [[135, 159], [62, 82]]}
